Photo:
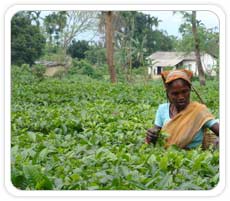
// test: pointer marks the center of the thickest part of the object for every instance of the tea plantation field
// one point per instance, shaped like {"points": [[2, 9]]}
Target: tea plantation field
{"points": [[77, 133]]}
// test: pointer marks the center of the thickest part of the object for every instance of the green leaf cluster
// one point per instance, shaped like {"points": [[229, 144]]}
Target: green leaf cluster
{"points": [[27, 41], [85, 134]]}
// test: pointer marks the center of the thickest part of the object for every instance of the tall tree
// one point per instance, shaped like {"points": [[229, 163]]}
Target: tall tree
{"points": [[144, 29], [135, 37], [197, 49], [54, 25], [78, 22], [109, 45], [65, 26], [27, 42], [208, 39], [190, 32], [140, 50]]}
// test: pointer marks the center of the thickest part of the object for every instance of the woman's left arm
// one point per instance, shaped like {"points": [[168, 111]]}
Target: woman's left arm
{"points": [[215, 128]]}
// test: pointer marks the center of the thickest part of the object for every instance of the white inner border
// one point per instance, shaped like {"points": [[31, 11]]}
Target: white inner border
{"points": [[222, 24]]}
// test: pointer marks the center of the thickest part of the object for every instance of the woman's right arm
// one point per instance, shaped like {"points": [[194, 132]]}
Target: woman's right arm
{"points": [[152, 134]]}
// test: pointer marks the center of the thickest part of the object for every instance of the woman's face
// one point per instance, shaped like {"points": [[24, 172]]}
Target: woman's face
{"points": [[179, 94]]}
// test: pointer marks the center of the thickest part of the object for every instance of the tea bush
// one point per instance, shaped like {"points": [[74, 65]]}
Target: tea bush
{"points": [[84, 134]]}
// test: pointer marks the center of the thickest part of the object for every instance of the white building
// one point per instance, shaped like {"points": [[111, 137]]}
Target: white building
{"points": [[158, 61]]}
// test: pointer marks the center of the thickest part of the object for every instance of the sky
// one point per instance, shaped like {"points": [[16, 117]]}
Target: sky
{"points": [[171, 22]]}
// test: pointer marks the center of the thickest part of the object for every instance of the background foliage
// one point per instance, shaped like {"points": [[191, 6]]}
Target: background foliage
{"points": [[27, 42]]}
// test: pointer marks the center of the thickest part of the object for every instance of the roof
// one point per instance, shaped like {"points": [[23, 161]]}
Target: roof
{"points": [[170, 58]]}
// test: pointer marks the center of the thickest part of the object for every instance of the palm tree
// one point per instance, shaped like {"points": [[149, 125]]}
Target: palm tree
{"points": [[139, 49]]}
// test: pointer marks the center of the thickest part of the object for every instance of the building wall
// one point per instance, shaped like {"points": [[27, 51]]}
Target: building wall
{"points": [[191, 65], [209, 64]]}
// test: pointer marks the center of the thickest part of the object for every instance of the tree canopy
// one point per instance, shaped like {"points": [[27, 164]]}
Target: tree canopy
{"points": [[208, 38], [78, 49], [27, 41]]}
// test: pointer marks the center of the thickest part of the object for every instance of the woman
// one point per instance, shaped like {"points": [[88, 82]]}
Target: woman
{"points": [[182, 120]]}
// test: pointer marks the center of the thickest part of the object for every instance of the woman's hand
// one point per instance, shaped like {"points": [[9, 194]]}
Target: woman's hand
{"points": [[215, 129], [152, 135]]}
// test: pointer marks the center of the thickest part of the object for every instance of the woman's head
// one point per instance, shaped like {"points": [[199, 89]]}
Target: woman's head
{"points": [[178, 87], [178, 93]]}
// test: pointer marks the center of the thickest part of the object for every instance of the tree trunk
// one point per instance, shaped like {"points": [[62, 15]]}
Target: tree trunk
{"points": [[130, 65], [197, 50], [109, 45]]}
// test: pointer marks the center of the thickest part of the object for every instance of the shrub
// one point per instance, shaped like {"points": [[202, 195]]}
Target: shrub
{"points": [[26, 67], [83, 67], [22, 74], [39, 70]]}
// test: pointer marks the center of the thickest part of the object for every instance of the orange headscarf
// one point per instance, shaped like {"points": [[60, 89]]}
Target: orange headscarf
{"points": [[169, 76]]}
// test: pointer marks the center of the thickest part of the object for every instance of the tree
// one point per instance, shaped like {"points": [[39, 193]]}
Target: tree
{"points": [[27, 42], [192, 39], [197, 49], [78, 49], [212, 41], [34, 16], [140, 50], [208, 39], [96, 55], [142, 29], [65, 26], [135, 38], [54, 24], [109, 45], [78, 22]]}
